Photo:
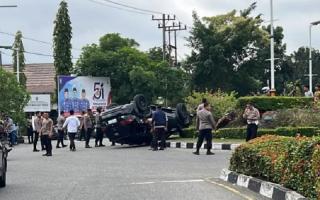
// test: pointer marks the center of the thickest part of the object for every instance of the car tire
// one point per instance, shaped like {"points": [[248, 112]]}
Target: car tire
{"points": [[3, 173], [140, 105], [182, 115]]}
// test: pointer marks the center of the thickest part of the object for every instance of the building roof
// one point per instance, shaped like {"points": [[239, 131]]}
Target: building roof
{"points": [[40, 77]]}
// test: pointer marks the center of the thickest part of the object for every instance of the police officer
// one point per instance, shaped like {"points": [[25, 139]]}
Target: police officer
{"points": [[37, 127], [99, 132], [160, 124], [46, 133], [205, 124], [88, 126], [60, 121]]}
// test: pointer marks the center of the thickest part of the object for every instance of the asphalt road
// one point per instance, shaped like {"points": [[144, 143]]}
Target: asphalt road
{"points": [[121, 172]]}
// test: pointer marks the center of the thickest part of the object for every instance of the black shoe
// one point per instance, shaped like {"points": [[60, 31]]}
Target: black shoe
{"points": [[210, 153], [161, 149], [102, 145], [45, 154], [58, 147], [88, 147], [50, 154], [154, 149], [196, 153], [35, 150], [63, 146]]}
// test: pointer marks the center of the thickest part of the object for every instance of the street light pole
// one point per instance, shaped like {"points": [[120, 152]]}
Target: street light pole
{"points": [[272, 91], [310, 54], [18, 66]]}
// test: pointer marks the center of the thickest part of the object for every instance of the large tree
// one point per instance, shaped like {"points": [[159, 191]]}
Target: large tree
{"points": [[224, 51], [18, 47], [13, 96], [62, 35], [131, 71]]}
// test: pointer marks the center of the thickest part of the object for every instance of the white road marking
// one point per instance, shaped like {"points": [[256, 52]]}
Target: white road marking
{"points": [[197, 181], [184, 181], [230, 189], [143, 183]]}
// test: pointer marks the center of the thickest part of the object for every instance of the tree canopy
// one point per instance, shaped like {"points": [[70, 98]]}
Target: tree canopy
{"points": [[229, 52], [131, 71], [18, 44], [13, 96], [62, 35]]}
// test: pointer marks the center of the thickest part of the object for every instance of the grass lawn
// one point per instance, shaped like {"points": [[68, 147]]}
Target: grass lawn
{"points": [[175, 138]]}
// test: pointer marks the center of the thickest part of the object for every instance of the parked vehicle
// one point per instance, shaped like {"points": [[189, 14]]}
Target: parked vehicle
{"points": [[3, 163], [131, 123]]}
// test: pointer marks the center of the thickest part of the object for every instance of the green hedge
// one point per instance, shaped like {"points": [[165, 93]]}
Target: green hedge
{"points": [[266, 103], [241, 133], [289, 161]]}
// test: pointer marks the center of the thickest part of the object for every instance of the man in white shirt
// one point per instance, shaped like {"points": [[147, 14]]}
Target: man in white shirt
{"points": [[307, 92], [72, 123]]}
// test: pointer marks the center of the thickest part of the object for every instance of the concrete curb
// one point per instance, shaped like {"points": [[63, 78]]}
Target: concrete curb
{"points": [[191, 145], [267, 189]]}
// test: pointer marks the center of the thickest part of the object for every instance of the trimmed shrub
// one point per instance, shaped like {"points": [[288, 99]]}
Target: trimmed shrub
{"points": [[266, 103], [291, 162], [221, 102], [188, 133], [241, 133]]}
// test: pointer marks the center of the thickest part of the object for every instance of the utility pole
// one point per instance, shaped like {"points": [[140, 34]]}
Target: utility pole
{"points": [[18, 66], [310, 54], [1, 60], [273, 90], [174, 28], [162, 24]]}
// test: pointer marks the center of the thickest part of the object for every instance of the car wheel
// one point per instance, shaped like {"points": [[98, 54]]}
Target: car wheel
{"points": [[140, 104], [182, 115], [3, 173]]}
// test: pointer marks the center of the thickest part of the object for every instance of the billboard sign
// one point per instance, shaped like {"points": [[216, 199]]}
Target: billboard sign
{"points": [[38, 102], [83, 92]]}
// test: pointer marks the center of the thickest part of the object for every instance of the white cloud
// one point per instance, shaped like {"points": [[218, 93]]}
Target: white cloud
{"points": [[90, 21]]}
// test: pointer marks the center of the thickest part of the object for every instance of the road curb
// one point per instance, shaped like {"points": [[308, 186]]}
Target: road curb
{"points": [[264, 188], [192, 145]]}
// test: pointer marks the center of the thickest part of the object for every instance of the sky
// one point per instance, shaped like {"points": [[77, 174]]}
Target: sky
{"points": [[91, 19]]}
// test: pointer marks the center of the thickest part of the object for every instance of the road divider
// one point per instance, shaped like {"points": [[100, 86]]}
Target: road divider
{"points": [[192, 145], [267, 189]]}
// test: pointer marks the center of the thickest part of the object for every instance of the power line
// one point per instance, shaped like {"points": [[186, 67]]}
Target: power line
{"points": [[119, 8], [34, 40], [133, 7]]}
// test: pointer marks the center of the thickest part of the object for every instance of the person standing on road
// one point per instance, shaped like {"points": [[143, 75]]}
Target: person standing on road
{"points": [[205, 124], [11, 130], [60, 121], [88, 126], [252, 115], [82, 131], [72, 123], [160, 124], [30, 130], [46, 133], [37, 127], [99, 132]]}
